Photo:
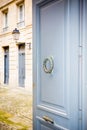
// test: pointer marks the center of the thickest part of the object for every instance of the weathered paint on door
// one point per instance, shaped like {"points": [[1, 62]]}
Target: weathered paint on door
{"points": [[56, 42], [6, 65], [21, 65]]}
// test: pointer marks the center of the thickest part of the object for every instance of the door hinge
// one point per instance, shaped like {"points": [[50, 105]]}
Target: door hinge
{"points": [[80, 114], [80, 51]]}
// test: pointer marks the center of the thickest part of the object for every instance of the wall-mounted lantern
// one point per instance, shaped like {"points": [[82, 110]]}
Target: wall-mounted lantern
{"points": [[16, 34]]}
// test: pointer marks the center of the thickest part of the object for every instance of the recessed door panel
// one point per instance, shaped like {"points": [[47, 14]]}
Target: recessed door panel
{"points": [[53, 45]]}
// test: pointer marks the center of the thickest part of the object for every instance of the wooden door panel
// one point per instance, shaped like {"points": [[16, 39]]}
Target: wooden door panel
{"points": [[53, 43]]}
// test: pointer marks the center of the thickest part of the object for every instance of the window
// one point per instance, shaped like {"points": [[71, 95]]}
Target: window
{"points": [[5, 20], [20, 15]]}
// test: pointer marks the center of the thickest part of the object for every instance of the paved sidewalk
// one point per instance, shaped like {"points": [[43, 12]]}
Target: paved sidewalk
{"points": [[15, 109]]}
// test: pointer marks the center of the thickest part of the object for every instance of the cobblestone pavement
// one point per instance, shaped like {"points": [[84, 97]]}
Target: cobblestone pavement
{"points": [[15, 109]]}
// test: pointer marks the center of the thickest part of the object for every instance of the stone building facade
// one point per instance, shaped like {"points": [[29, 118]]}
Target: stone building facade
{"points": [[16, 56]]}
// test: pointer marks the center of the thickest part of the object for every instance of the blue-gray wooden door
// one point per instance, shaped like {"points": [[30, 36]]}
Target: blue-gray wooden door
{"points": [[56, 94], [21, 66], [6, 65]]}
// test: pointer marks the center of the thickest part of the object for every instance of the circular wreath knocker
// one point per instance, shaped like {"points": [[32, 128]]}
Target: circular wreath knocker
{"points": [[48, 65]]}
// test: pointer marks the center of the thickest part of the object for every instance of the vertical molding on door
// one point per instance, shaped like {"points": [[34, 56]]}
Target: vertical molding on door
{"points": [[84, 67], [80, 56]]}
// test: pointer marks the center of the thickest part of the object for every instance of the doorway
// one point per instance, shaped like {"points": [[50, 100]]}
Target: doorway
{"points": [[6, 65], [21, 60]]}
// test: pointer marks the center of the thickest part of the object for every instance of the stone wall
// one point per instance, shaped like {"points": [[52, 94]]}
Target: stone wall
{"points": [[6, 39]]}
